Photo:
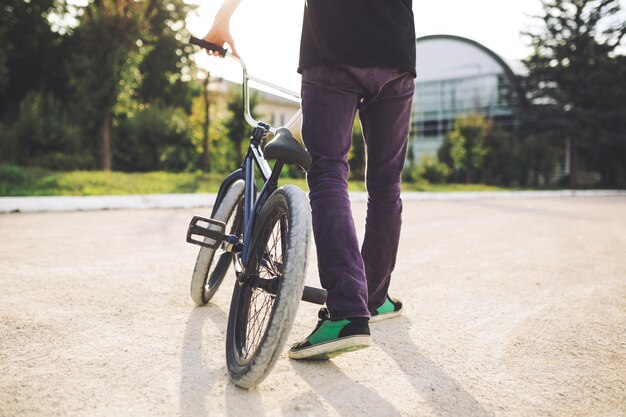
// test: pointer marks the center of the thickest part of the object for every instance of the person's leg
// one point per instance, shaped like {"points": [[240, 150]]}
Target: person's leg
{"points": [[329, 99], [386, 123]]}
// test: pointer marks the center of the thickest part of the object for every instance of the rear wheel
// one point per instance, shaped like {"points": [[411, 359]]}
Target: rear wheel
{"points": [[212, 264], [260, 320]]}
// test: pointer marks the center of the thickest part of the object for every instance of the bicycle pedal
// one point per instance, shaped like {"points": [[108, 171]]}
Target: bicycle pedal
{"points": [[213, 232]]}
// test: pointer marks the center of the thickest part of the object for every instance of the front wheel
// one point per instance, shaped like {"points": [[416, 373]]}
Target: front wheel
{"points": [[212, 264], [259, 322]]}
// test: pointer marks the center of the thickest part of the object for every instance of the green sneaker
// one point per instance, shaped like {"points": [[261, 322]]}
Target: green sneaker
{"points": [[391, 308], [332, 338]]}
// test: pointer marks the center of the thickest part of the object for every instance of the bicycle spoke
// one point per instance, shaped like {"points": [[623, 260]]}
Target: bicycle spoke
{"points": [[274, 240], [261, 303], [257, 321], [277, 259]]}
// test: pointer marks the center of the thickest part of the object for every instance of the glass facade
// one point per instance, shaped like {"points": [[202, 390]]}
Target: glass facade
{"points": [[438, 103]]}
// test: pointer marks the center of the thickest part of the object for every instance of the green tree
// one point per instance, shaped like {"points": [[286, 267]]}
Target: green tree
{"points": [[43, 136], [28, 52], [539, 157], [34, 122], [356, 155], [431, 170], [502, 164], [103, 65], [238, 129], [157, 137], [464, 148], [574, 82], [167, 57], [221, 151], [409, 171], [4, 70]]}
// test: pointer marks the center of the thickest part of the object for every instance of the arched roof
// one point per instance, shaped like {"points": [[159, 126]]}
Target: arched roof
{"points": [[469, 58]]}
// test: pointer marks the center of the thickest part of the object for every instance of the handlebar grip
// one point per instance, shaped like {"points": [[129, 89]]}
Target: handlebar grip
{"points": [[208, 45], [314, 295]]}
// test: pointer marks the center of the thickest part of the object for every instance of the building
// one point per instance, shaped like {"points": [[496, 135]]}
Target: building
{"points": [[272, 109], [457, 76]]}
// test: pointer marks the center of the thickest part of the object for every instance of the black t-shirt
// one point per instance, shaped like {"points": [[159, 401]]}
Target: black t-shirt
{"points": [[358, 32]]}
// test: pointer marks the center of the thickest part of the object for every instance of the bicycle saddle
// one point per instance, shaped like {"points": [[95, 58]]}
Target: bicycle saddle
{"points": [[284, 147]]}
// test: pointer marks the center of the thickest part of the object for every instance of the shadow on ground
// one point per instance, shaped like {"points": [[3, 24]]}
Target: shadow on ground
{"points": [[332, 384], [205, 381], [443, 394]]}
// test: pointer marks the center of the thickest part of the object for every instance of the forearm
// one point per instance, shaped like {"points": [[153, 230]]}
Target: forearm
{"points": [[226, 11], [220, 32]]}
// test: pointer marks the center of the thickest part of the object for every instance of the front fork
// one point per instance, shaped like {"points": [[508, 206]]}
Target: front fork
{"points": [[232, 243]]}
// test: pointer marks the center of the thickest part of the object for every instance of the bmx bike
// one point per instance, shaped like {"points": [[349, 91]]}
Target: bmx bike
{"points": [[265, 236]]}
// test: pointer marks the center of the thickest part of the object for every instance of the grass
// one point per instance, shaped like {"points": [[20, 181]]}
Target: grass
{"points": [[19, 181]]}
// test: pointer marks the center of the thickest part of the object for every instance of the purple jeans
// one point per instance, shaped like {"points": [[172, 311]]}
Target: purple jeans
{"points": [[357, 280]]}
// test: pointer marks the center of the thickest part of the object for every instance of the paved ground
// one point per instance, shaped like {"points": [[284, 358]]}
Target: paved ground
{"points": [[189, 201], [513, 308]]}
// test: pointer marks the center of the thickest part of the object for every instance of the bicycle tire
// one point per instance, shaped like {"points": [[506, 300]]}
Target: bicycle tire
{"points": [[212, 264], [252, 347]]}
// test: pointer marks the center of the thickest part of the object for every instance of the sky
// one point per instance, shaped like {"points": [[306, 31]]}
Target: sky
{"points": [[271, 49]]}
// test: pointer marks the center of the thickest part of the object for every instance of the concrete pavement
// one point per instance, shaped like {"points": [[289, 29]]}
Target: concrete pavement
{"points": [[513, 307], [177, 201]]}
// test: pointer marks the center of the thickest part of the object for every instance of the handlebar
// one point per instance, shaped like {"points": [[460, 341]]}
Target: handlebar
{"points": [[223, 52], [208, 46]]}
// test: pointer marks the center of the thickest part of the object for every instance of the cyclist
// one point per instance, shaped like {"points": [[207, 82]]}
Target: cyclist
{"points": [[355, 55]]}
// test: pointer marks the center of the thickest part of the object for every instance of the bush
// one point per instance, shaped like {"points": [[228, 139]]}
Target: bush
{"points": [[503, 161], [539, 156], [465, 146], [431, 170], [11, 174], [15, 180], [43, 136], [155, 138]]}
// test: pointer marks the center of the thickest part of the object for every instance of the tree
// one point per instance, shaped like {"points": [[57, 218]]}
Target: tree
{"points": [[356, 155], [43, 136], [104, 64], [538, 155], [465, 146], [157, 137], [574, 87], [238, 128], [35, 125], [167, 57], [206, 162], [220, 149], [72, 77], [431, 170], [28, 52], [156, 87], [502, 163]]}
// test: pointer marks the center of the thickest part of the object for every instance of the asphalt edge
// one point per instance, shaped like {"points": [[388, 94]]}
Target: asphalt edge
{"points": [[186, 201]]}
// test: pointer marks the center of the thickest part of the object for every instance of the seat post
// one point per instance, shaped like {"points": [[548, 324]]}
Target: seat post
{"points": [[278, 167]]}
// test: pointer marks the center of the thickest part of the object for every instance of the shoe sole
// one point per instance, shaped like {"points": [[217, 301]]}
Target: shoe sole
{"points": [[329, 350], [385, 316]]}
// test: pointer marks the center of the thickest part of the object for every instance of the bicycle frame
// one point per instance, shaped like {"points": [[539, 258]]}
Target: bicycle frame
{"points": [[252, 202]]}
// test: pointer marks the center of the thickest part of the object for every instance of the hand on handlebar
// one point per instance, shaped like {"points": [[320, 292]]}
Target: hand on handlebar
{"points": [[220, 39], [219, 35]]}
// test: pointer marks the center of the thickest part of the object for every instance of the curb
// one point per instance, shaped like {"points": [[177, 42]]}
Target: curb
{"points": [[185, 201], [105, 202]]}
